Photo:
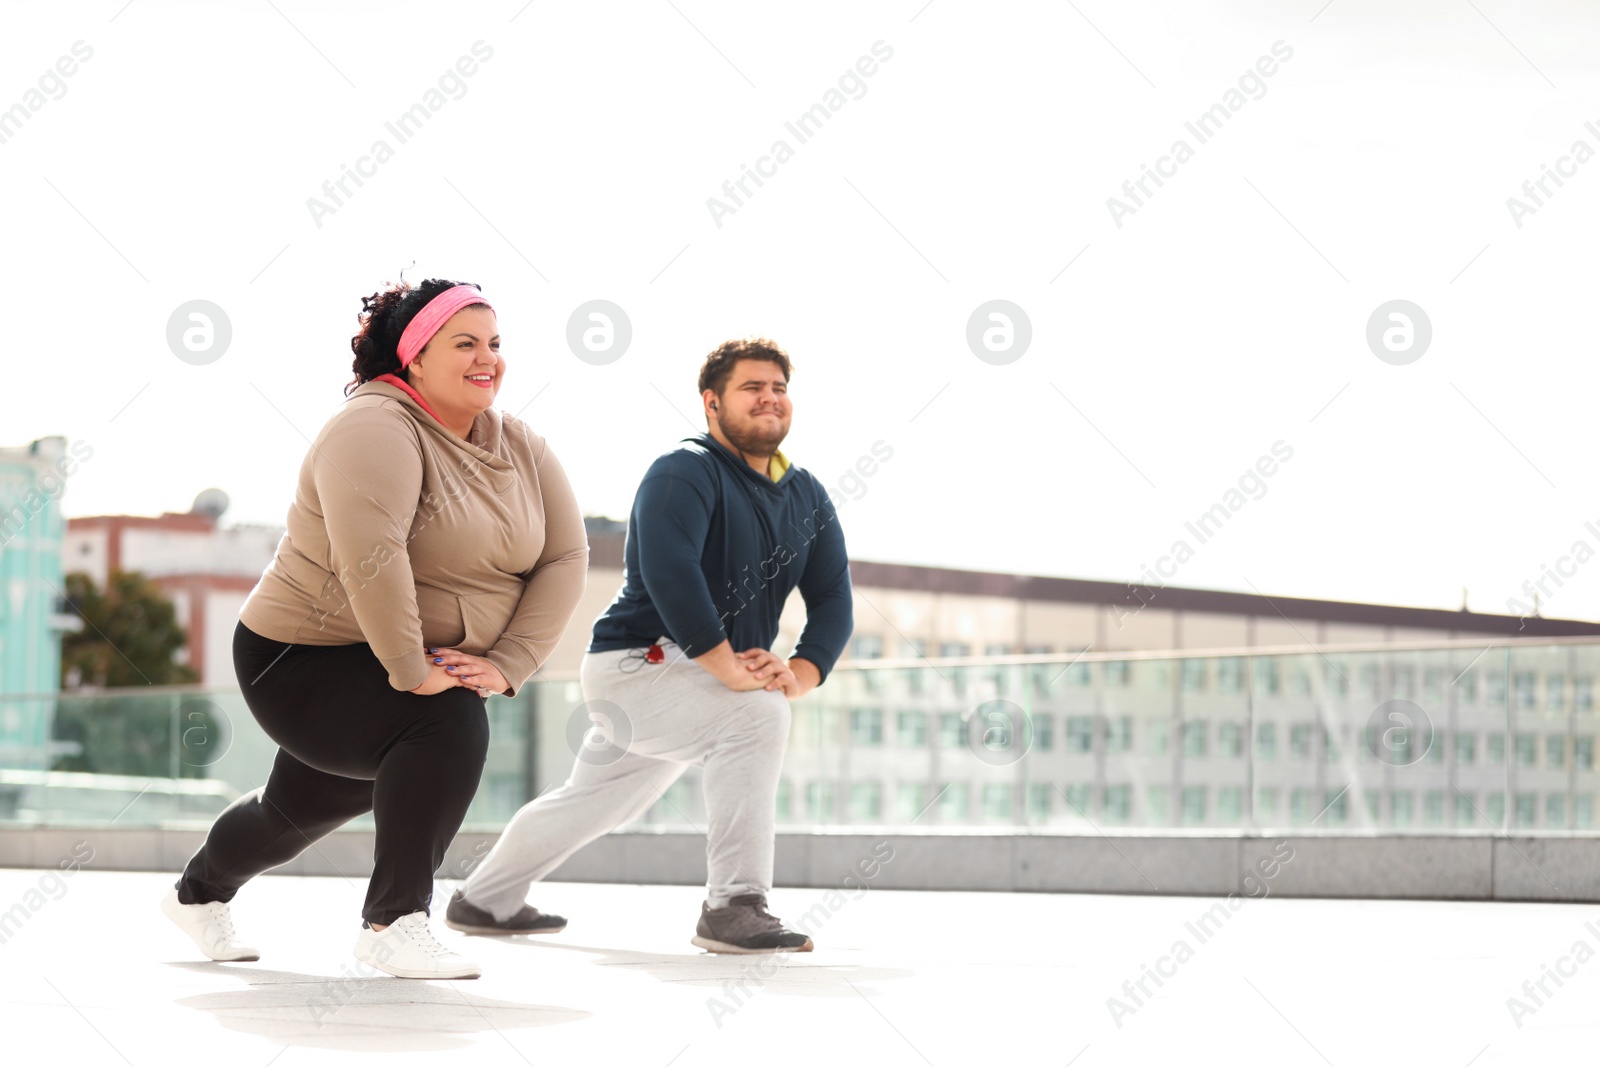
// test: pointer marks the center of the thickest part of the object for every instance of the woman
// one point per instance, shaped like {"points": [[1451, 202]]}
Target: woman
{"points": [[434, 554]]}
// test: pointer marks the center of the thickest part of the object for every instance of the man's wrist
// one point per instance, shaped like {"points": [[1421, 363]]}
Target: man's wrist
{"points": [[808, 674]]}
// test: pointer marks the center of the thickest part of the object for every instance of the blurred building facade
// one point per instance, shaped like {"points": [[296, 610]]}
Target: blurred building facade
{"points": [[33, 613], [206, 569]]}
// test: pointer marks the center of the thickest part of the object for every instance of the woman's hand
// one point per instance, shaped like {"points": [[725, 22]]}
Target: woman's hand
{"points": [[438, 680], [474, 672]]}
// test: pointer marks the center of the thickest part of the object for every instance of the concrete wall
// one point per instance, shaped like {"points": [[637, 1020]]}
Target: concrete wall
{"points": [[1425, 867]]}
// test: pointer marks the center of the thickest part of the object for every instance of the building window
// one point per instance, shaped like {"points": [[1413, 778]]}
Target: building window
{"points": [[1300, 741], [952, 730], [1118, 673], [1372, 800], [1583, 811], [1157, 809], [1527, 749], [1555, 691], [1330, 747], [1494, 809], [1555, 752], [1466, 748], [866, 726], [819, 800], [1583, 752], [1433, 807], [953, 804], [1525, 682], [1400, 809], [1039, 803], [1266, 802], [1194, 738], [1230, 674], [1230, 804], [1527, 809], [1160, 729], [1078, 798], [909, 801], [866, 801], [1583, 693], [1116, 802], [1497, 748], [1497, 688], [1192, 675], [1119, 735], [1555, 811], [911, 728], [1266, 741], [996, 800], [1194, 805], [1466, 811], [785, 800], [867, 646], [1080, 734], [1230, 739], [1044, 732], [1300, 806], [1435, 750], [1467, 688], [1266, 675], [1335, 807]]}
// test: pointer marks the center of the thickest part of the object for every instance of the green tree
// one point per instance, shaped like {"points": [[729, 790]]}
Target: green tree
{"points": [[130, 632]]}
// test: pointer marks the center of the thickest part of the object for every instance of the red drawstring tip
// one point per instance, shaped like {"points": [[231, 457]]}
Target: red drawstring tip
{"points": [[655, 654]]}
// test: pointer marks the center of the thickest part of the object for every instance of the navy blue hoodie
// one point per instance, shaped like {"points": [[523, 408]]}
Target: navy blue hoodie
{"points": [[713, 550]]}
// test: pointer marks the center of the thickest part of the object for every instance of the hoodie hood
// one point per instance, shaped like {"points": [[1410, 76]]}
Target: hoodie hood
{"points": [[718, 449], [484, 452]]}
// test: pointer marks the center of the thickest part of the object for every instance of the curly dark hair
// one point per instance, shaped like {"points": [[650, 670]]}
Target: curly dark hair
{"points": [[719, 364], [383, 318]]}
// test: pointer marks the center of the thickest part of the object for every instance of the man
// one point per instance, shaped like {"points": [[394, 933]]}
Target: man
{"points": [[680, 670]]}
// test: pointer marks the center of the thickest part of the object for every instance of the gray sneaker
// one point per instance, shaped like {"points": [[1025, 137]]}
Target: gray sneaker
{"points": [[745, 925], [470, 919]]}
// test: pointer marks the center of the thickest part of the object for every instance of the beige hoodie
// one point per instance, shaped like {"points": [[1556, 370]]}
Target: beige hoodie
{"points": [[406, 537]]}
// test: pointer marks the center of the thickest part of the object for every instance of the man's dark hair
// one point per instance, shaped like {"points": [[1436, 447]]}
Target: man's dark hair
{"points": [[719, 364]]}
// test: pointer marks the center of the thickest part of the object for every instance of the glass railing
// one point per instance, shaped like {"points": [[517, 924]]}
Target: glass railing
{"points": [[1469, 737]]}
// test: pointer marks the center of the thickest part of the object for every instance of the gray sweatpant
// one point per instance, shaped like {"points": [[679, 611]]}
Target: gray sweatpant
{"points": [[662, 718]]}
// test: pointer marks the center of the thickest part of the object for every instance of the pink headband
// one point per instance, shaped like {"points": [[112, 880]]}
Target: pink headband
{"points": [[431, 319]]}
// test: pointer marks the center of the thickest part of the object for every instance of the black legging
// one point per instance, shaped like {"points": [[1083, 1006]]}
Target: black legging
{"points": [[349, 743]]}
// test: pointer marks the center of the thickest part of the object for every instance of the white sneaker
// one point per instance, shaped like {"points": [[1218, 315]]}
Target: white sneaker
{"points": [[406, 948], [211, 926]]}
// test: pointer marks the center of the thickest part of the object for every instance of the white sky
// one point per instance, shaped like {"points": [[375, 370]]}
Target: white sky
{"points": [[1224, 316]]}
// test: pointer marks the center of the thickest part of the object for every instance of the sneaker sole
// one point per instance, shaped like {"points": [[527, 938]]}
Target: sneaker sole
{"points": [[169, 902], [403, 972], [499, 931], [722, 946]]}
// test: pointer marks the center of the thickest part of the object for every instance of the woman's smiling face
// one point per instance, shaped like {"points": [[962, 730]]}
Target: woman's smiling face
{"points": [[459, 371]]}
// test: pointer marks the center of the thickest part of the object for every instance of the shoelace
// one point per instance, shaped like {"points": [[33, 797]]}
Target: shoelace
{"points": [[222, 918], [416, 929]]}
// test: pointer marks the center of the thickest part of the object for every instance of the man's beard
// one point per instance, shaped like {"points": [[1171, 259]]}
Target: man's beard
{"points": [[754, 438]]}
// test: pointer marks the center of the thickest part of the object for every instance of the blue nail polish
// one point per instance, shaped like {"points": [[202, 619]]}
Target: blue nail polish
{"points": [[451, 668], [437, 660]]}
